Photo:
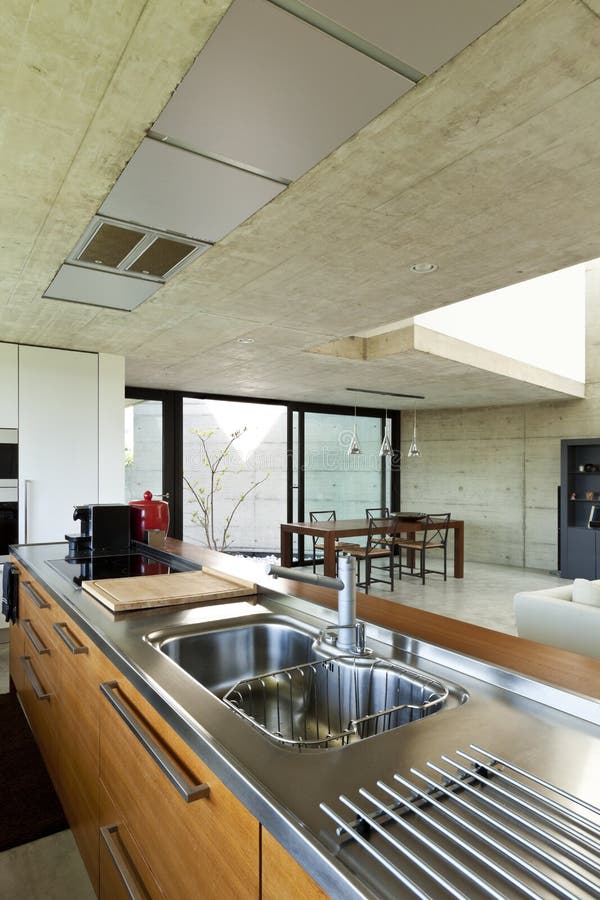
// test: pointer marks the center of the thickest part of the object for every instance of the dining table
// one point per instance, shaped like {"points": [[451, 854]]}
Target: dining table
{"points": [[334, 530]]}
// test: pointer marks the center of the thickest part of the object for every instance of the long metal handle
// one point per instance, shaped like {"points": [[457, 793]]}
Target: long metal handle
{"points": [[28, 629], [33, 679], [74, 648], [27, 485], [130, 878], [37, 599], [189, 792]]}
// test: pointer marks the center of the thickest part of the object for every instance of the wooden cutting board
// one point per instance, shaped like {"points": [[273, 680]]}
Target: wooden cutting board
{"points": [[147, 591]]}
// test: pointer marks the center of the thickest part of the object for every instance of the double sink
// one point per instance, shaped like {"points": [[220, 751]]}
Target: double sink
{"points": [[301, 692]]}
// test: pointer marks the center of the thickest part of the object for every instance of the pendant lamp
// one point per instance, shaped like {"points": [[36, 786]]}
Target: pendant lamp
{"points": [[386, 444], [354, 449], [413, 450]]}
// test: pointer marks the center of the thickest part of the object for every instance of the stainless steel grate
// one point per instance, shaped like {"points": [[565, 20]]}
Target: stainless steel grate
{"points": [[332, 702], [473, 826]]}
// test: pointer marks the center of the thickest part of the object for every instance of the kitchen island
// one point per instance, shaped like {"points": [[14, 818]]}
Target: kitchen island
{"points": [[262, 797]]}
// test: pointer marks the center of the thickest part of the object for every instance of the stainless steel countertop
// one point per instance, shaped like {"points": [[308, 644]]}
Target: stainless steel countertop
{"points": [[542, 728]]}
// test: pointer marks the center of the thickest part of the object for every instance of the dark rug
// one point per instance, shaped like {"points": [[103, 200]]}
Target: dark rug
{"points": [[30, 807]]}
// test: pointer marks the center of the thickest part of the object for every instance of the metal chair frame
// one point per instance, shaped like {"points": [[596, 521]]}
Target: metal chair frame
{"points": [[377, 512], [379, 546], [435, 537]]}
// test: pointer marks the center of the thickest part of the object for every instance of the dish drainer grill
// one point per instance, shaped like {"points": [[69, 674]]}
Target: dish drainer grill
{"points": [[332, 702], [487, 829]]}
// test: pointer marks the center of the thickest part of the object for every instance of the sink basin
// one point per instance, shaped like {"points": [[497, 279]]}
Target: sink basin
{"points": [[334, 702], [301, 694], [220, 657]]}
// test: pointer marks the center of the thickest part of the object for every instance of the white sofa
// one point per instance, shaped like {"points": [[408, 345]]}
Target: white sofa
{"points": [[551, 617]]}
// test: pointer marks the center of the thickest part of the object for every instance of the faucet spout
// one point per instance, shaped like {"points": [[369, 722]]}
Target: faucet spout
{"points": [[347, 602], [349, 638], [335, 584]]}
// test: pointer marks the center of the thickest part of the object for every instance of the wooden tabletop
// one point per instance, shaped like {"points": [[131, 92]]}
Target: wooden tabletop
{"points": [[559, 667]]}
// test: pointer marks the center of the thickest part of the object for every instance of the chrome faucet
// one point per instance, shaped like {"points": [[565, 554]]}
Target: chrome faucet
{"points": [[348, 634]]}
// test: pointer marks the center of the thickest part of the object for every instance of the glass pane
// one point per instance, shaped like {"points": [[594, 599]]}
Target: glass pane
{"points": [[234, 491], [143, 448], [334, 480]]}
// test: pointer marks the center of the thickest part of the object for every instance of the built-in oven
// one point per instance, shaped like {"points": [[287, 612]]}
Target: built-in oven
{"points": [[9, 474]]}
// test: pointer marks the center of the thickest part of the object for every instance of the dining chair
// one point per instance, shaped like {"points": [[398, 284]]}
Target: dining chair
{"points": [[380, 546], [433, 537], [326, 515], [377, 512]]}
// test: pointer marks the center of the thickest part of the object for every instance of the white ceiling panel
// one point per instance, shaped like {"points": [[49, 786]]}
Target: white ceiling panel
{"points": [[424, 34], [173, 190], [80, 285], [274, 93]]}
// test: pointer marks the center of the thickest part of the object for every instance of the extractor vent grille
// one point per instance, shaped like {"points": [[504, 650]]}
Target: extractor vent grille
{"points": [[116, 246]]}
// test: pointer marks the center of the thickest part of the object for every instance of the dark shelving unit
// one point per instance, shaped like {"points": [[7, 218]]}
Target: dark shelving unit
{"points": [[579, 544]]}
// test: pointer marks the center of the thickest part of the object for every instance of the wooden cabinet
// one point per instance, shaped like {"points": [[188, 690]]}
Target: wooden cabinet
{"points": [[124, 873], [205, 844], [57, 674], [282, 876], [150, 819], [82, 669]]}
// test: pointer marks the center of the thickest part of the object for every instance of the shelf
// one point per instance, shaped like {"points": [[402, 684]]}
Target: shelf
{"points": [[581, 500], [577, 472]]}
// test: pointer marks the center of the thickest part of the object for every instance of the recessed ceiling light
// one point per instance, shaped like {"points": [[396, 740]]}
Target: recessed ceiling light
{"points": [[423, 268], [245, 340]]}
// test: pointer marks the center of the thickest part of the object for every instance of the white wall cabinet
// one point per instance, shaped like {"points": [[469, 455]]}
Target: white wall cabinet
{"points": [[58, 440], [64, 460], [9, 386]]}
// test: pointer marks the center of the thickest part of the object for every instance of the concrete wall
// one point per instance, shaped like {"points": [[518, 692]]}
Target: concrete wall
{"points": [[498, 468]]}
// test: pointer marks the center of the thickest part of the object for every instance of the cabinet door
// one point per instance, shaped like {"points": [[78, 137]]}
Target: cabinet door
{"points": [[82, 669], [9, 380], [124, 872], [282, 876], [213, 841], [581, 554], [58, 440]]}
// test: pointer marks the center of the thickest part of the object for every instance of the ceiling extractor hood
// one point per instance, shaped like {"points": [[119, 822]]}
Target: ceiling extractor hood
{"points": [[120, 264]]}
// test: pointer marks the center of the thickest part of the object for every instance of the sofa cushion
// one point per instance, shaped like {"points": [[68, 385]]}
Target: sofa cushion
{"points": [[587, 592]]}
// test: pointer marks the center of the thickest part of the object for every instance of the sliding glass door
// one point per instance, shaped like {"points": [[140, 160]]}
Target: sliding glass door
{"points": [[234, 474]]}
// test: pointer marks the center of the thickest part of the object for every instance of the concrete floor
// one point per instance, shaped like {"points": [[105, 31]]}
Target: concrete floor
{"points": [[483, 597], [51, 868]]}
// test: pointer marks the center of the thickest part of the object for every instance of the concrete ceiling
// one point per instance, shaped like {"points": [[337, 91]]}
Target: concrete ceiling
{"points": [[489, 167]]}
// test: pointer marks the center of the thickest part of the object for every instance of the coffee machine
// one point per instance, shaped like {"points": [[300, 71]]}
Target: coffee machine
{"points": [[104, 530]]}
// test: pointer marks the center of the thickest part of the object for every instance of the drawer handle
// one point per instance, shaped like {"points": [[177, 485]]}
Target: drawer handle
{"points": [[37, 598], [28, 629], [130, 878], [74, 648], [189, 792], [33, 679]]}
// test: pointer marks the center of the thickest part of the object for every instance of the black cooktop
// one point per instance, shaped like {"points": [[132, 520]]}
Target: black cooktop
{"points": [[124, 565]]}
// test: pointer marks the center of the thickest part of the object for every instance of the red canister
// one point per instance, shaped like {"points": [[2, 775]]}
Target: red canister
{"points": [[148, 515]]}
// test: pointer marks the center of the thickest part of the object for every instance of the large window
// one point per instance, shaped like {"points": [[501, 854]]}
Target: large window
{"points": [[334, 480], [285, 460], [234, 501]]}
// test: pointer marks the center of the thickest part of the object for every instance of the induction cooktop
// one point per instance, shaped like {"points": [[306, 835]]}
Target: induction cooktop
{"points": [[124, 565]]}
